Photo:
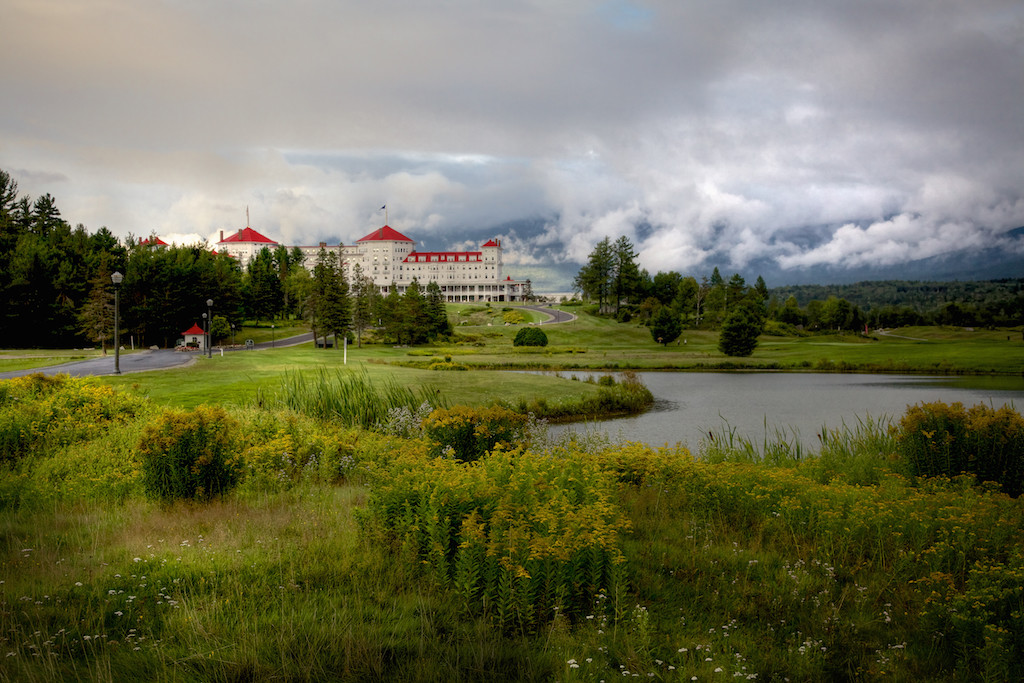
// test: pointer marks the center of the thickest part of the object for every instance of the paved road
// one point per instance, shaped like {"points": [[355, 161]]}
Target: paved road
{"points": [[557, 316], [144, 361], [162, 359], [140, 361]]}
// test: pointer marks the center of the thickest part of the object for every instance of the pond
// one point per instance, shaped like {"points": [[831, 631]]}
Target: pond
{"points": [[690, 404]]}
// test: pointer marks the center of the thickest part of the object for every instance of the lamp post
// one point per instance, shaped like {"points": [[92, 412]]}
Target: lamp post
{"points": [[232, 334], [273, 337], [116, 277], [209, 329]]}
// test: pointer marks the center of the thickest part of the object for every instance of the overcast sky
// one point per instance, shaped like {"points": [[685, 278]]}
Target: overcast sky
{"points": [[710, 133]]}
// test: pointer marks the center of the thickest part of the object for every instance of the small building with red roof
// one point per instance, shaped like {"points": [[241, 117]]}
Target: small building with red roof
{"points": [[195, 337]]}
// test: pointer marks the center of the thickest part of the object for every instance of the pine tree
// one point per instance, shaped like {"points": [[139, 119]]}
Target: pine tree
{"points": [[665, 326], [625, 273], [740, 330], [437, 313], [96, 317], [416, 320], [594, 281], [364, 293]]}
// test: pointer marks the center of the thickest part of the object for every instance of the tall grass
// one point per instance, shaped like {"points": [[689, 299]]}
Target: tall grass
{"points": [[626, 395], [574, 563], [857, 453], [349, 397]]}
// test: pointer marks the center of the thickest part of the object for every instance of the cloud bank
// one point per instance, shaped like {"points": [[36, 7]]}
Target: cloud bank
{"points": [[798, 133]]}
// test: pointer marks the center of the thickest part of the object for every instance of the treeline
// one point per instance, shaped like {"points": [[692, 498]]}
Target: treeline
{"points": [[894, 303], [56, 289], [612, 279]]}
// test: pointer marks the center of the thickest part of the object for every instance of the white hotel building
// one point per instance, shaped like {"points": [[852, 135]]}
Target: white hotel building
{"points": [[390, 258]]}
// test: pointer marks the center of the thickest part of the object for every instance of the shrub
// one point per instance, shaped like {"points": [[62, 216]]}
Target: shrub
{"points": [[447, 365], [740, 330], [40, 413], [190, 454], [530, 336], [512, 317], [520, 538], [469, 433], [939, 439]]}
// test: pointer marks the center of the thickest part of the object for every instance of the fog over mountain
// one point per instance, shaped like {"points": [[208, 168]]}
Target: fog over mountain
{"points": [[798, 139]]}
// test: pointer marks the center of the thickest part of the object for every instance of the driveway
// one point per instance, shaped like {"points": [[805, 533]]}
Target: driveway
{"points": [[557, 316], [144, 361]]}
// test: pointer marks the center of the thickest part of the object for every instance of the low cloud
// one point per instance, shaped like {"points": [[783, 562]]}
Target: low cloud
{"points": [[794, 133]]}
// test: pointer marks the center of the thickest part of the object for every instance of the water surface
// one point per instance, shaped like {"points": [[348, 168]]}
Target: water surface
{"points": [[690, 404]]}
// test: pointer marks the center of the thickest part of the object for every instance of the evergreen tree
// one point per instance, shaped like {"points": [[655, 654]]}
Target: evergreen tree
{"points": [[625, 273], [415, 319], [715, 301], [735, 292], [96, 317], [265, 297], [327, 306], [391, 315], [687, 298], [437, 313], [761, 288], [665, 326], [740, 330], [594, 281], [364, 294]]}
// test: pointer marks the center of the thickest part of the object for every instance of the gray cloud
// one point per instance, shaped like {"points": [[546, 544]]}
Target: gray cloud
{"points": [[796, 132]]}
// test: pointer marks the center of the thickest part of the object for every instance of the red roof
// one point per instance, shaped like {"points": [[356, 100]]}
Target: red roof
{"points": [[443, 256], [247, 235], [491, 243], [385, 234], [154, 241], [195, 329]]}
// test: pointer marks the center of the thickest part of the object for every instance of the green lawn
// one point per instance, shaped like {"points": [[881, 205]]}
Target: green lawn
{"points": [[588, 342], [237, 378], [23, 359]]}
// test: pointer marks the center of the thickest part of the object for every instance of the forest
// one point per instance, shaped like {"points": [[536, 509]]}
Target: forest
{"points": [[56, 289], [613, 280]]}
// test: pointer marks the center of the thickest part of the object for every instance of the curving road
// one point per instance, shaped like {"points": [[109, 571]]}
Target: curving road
{"points": [[144, 361], [162, 359], [557, 316]]}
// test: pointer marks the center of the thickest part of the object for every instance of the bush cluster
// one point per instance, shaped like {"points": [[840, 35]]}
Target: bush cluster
{"points": [[190, 454], [949, 440], [519, 537], [285, 449], [447, 365], [530, 336], [40, 413], [467, 434]]}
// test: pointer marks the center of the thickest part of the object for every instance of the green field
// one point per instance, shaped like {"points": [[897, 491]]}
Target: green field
{"points": [[350, 553]]}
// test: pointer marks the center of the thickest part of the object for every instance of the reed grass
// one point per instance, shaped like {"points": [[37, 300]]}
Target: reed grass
{"points": [[348, 397], [581, 561]]}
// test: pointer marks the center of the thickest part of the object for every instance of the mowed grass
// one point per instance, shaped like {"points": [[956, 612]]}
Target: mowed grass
{"points": [[243, 377], [590, 342], [24, 359], [587, 342]]}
